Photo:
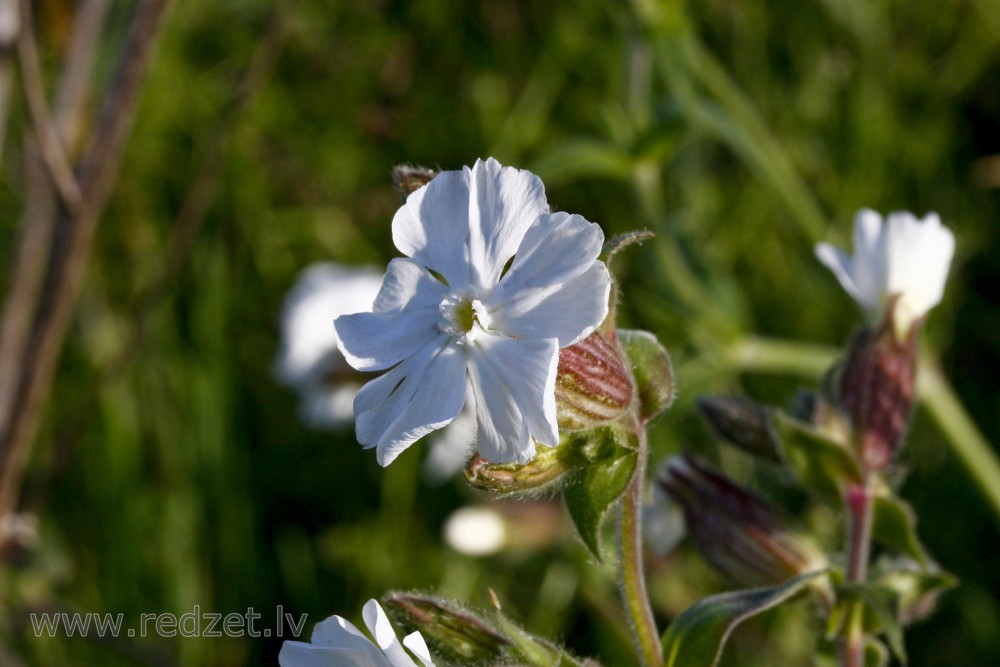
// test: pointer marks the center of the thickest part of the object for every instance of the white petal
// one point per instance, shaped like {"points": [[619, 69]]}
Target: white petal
{"points": [[920, 255], [514, 383], [452, 446], [842, 266], [408, 284], [870, 266], [376, 341], [308, 340], [567, 312], [557, 248], [432, 226], [299, 654], [420, 395], [504, 203], [380, 627], [338, 633], [415, 642]]}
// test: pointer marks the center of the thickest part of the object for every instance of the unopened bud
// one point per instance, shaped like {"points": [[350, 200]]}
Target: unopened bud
{"points": [[742, 423], [408, 178], [739, 533], [452, 632], [877, 391], [524, 479], [593, 384]]}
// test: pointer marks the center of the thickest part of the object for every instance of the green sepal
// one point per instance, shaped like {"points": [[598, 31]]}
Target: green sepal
{"points": [[697, 637], [593, 489], [652, 371], [527, 649], [894, 525], [822, 464]]}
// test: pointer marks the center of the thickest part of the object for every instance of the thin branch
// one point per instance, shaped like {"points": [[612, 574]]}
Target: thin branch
{"points": [[98, 171], [52, 151], [38, 218]]}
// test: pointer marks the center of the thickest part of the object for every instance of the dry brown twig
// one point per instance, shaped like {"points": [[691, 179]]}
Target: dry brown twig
{"points": [[71, 242]]}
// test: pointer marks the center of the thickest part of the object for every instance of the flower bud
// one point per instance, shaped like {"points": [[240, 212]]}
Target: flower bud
{"points": [[525, 479], [877, 390], [738, 532], [407, 178], [593, 383], [451, 631], [741, 423]]}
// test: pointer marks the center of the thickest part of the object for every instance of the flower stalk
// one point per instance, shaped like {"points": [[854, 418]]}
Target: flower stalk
{"points": [[633, 577], [859, 503]]}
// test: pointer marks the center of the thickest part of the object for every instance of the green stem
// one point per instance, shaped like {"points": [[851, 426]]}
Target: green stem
{"points": [[633, 578], [859, 500]]}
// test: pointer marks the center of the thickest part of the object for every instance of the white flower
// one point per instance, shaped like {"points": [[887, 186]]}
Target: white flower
{"points": [[308, 360], [904, 259], [453, 309], [336, 642]]}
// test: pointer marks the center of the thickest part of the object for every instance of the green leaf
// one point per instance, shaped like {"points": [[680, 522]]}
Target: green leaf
{"points": [[697, 637], [652, 370], [894, 525], [876, 654], [822, 464], [593, 489]]}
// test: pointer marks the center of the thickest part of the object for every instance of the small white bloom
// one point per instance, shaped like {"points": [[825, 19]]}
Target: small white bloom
{"points": [[452, 309], [904, 258], [336, 642], [308, 359], [475, 531]]}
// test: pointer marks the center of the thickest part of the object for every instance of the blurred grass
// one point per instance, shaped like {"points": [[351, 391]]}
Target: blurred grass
{"points": [[172, 471]]}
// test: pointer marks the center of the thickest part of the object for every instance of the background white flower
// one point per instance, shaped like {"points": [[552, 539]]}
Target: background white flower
{"points": [[453, 308], [905, 258], [308, 359], [336, 642]]}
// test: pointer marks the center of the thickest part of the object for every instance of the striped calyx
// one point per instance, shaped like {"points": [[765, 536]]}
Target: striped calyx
{"points": [[593, 384]]}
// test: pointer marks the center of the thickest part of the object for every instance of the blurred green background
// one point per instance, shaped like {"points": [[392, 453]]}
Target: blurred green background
{"points": [[172, 470]]}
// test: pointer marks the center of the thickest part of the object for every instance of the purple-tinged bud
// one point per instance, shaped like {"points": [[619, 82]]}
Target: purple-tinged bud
{"points": [[593, 383], [408, 178], [741, 423], [877, 389], [738, 532]]}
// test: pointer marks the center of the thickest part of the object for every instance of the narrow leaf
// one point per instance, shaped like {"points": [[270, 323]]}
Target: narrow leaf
{"points": [[822, 464], [697, 637], [894, 525]]}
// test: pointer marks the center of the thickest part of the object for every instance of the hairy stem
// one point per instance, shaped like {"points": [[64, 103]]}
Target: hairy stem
{"points": [[633, 577]]}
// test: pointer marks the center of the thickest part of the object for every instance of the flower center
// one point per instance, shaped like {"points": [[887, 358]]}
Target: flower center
{"points": [[462, 313]]}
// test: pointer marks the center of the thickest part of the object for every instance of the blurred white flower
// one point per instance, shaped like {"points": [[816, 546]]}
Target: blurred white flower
{"points": [[336, 642], [308, 360], [475, 531], [905, 259], [492, 286]]}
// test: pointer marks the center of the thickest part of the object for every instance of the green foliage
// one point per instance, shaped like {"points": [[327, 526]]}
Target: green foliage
{"points": [[698, 636]]}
